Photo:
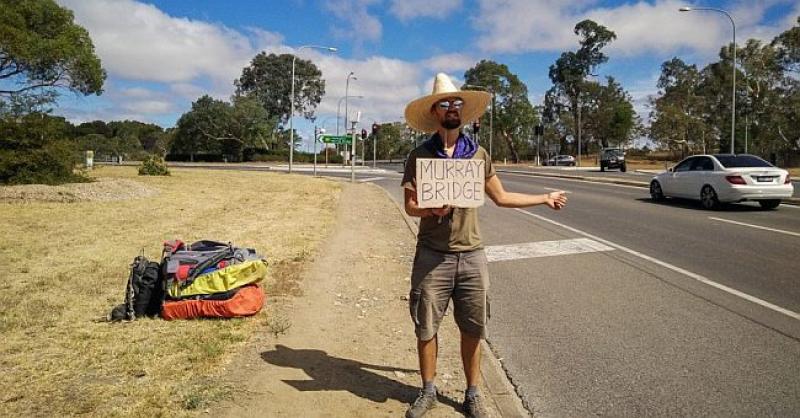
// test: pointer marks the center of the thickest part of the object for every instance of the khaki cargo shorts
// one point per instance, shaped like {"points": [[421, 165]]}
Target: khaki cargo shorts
{"points": [[437, 277]]}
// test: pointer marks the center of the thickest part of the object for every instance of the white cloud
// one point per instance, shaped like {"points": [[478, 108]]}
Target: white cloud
{"points": [[138, 41], [449, 62], [148, 106], [518, 26], [360, 26], [409, 9]]}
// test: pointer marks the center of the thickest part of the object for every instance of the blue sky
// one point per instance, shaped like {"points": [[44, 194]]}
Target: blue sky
{"points": [[162, 55]]}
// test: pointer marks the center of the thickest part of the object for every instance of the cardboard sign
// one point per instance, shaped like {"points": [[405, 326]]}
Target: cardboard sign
{"points": [[454, 182]]}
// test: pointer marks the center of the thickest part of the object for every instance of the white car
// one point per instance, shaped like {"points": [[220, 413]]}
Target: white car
{"points": [[724, 178]]}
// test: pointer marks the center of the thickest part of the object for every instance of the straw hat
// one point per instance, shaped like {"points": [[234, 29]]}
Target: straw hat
{"points": [[418, 112]]}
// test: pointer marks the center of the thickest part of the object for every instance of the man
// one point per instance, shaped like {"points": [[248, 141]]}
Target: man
{"points": [[450, 262]]}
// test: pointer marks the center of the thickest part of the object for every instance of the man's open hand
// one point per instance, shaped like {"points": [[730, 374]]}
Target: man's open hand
{"points": [[557, 200]]}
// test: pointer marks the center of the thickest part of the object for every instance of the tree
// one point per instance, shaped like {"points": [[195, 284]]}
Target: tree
{"points": [[680, 112], [514, 117], [569, 72], [612, 119], [268, 80], [42, 49], [217, 127]]}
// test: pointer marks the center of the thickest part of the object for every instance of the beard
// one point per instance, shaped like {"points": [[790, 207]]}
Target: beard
{"points": [[451, 121]]}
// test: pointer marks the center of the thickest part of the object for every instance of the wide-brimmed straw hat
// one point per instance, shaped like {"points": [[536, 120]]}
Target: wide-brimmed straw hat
{"points": [[418, 112]]}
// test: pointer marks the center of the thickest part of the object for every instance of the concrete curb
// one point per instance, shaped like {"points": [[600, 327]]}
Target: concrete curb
{"points": [[502, 392], [788, 201]]}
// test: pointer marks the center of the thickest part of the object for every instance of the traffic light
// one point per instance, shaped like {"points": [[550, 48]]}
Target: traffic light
{"points": [[476, 126], [539, 130], [375, 128], [363, 134]]}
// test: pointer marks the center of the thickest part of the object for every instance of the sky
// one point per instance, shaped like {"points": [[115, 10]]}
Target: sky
{"points": [[162, 55]]}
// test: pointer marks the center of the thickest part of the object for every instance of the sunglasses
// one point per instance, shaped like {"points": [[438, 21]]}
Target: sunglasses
{"points": [[448, 104]]}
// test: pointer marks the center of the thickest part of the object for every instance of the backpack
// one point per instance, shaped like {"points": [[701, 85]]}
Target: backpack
{"points": [[144, 292], [205, 268]]}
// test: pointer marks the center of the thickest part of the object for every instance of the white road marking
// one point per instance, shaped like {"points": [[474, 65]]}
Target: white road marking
{"points": [[544, 249], [371, 179], [766, 228], [558, 190], [695, 276]]}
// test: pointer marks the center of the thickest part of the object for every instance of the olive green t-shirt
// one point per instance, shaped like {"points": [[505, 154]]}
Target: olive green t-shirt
{"points": [[456, 232]]}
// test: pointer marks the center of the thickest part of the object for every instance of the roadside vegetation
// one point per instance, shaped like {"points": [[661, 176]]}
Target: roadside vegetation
{"points": [[65, 265]]}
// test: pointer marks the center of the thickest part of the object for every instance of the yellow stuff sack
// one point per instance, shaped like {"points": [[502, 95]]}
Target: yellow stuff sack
{"points": [[222, 280]]}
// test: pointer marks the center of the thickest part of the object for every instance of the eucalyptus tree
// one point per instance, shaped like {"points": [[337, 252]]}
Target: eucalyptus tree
{"points": [[514, 119], [570, 70]]}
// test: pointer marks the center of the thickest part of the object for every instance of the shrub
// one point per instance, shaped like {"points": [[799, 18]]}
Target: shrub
{"points": [[53, 163], [153, 166]]}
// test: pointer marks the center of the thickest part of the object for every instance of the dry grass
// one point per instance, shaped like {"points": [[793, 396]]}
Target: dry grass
{"points": [[65, 266]]}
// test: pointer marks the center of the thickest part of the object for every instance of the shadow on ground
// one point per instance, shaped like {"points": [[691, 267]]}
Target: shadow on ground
{"points": [[328, 373]]}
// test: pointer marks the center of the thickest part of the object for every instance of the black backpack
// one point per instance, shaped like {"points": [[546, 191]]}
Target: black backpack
{"points": [[144, 292]]}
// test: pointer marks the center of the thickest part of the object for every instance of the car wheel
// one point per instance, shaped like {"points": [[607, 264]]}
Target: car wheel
{"points": [[623, 168], [769, 204], [708, 198], [602, 167], [655, 191]]}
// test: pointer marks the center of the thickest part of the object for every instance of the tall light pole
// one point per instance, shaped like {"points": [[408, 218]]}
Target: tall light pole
{"points": [[733, 64], [347, 93], [291, 101], [491, 113]]}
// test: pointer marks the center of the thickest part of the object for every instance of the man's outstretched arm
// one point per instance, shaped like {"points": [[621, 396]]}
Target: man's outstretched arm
{"points": [[502, 198]]}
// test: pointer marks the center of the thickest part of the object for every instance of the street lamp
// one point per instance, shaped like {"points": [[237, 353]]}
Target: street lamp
{"points": [[733, 64], [491, 113], [347, 93], [291, 101]]}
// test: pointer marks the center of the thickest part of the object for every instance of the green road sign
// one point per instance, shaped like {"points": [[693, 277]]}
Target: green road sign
{"points": [[336, 139]]}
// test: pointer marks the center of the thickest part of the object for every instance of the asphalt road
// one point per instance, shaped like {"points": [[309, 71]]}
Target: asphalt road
{"points": [[618, 333]]}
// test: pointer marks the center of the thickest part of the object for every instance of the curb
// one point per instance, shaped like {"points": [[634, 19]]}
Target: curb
{"points": [[502, 392], [794, 201]]}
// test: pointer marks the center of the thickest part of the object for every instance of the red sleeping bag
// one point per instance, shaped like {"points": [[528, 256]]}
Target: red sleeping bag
{"points": [[247, 301]]}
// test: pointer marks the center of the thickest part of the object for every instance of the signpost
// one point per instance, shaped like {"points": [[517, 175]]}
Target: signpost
{"points": [[452, 182], [335, 139]]}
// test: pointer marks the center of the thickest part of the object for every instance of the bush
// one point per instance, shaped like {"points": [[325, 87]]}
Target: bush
{"points": [[153, 166], [54, 163]]}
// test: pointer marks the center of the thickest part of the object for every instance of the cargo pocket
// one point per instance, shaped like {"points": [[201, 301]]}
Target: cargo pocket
{"points": [[414, 299]]}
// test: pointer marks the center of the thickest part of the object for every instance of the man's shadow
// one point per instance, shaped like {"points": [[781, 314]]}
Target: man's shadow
{"points": [[330, 373]]}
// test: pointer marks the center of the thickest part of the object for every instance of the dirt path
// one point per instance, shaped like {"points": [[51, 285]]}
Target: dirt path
{"points": [[350, 350]]}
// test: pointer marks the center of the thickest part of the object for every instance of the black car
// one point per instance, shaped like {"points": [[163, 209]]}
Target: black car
{"points": [[612, 158]]}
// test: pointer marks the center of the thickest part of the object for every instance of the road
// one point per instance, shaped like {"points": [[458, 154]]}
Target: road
{"points": [[641, 329]]}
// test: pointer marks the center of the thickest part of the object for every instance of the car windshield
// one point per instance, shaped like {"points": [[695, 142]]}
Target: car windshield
{"points": [[741, 161], [613, 152]]}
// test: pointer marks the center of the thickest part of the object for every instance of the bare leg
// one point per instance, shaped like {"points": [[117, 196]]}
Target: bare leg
{"points": [[428, 351], [471, 357]]}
